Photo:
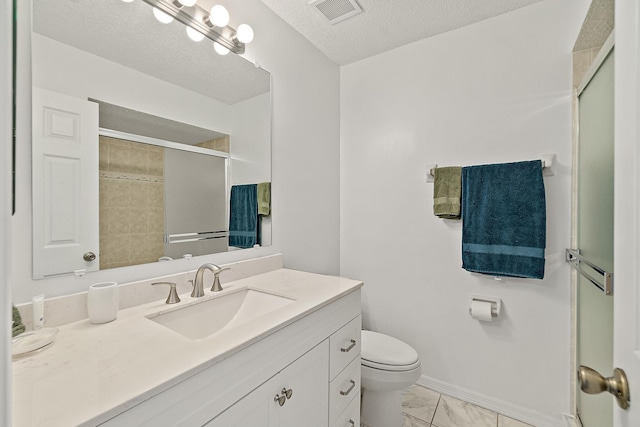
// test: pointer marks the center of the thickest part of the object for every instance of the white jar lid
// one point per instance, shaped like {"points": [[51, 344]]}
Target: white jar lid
{"points": [[385, 350]]}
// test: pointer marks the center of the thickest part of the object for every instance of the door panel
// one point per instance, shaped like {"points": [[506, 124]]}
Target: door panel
{"points": [[595, 237], [65, 183]]}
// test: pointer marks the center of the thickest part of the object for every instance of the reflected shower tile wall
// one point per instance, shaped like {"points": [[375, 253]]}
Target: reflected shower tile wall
{"points": [[131, 203], [219, 144]]}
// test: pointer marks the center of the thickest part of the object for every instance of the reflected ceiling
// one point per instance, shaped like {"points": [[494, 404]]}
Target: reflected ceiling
{"points": [[119, 31]]}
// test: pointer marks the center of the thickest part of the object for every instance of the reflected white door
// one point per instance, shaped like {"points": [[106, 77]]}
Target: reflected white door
{"points": [[65, 184]]}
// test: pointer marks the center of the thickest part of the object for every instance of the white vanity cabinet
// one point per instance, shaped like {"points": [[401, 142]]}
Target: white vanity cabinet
{"points": [[317, 357], [305, 380]]}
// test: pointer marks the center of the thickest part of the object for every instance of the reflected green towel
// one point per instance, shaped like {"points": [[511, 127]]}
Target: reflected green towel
{"points": [[17, 327], [447, 185], [264, 198]]}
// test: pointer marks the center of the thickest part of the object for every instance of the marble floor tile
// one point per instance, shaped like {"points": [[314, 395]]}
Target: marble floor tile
{"points": [[420, 402], [456, 413], [509, 422], [410, 421]]}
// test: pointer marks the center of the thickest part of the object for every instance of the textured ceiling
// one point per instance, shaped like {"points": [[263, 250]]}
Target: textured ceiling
{"points": [[386, 24], [127, 33], [597, 25]]}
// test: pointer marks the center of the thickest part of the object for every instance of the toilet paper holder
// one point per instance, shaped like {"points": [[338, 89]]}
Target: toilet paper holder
{"points": [[496, 304]]}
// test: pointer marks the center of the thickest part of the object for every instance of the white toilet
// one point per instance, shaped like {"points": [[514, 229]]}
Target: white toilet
{"points": [[389, 366]]}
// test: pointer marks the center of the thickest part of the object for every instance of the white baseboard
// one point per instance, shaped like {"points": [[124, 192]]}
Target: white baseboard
{"points": [[507, 409]]}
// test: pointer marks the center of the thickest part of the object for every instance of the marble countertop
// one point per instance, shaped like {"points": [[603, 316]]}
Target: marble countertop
{"points": [[93, 371]]}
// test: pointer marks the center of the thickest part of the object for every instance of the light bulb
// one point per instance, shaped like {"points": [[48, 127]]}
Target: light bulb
{"points": [[244, 33], [187, 3], [194, 35], [219, 16], [220, 50], [161, 16]]}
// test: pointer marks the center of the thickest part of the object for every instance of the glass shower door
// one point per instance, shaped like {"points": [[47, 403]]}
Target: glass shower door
{"points": [[595, 237]]}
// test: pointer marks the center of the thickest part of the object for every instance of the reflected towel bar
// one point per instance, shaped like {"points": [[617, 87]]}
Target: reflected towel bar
{"points": [[574, 259], [194, 237]]}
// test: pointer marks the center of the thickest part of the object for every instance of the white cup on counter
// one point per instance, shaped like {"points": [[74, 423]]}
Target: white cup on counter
{"points": [[103, 302]]}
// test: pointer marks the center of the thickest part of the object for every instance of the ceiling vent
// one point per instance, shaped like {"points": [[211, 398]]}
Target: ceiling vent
{"points": [[337, 10]]}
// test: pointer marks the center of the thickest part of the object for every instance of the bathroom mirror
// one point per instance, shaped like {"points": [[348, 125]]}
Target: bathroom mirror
{"points": [[116, 58]]}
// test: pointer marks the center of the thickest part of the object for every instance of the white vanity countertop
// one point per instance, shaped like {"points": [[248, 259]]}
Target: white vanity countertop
{"points": [[93, 370]]}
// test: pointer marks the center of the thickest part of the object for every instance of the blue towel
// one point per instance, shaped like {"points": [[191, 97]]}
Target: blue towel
{"points": [[504, 219], [243, 216]]}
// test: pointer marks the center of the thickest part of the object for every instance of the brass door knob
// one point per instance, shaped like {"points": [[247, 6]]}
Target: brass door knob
{"points": [[592, 382]]}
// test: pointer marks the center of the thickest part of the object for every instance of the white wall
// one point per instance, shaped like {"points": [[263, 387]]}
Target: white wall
{"points": [[248, 125], [6, 61], [91, 76], [492, 92], [305, 159], [627, 206]]}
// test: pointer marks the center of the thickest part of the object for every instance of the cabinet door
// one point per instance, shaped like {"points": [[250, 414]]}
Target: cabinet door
{"points": [[308, 380], [251, 411], [308, 404]]}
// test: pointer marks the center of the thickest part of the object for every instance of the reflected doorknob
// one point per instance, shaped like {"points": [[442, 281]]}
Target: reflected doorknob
{"points": [[592, 382]]}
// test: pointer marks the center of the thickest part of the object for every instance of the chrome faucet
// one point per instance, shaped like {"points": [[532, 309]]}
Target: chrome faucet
{"points": [[198, 285]]}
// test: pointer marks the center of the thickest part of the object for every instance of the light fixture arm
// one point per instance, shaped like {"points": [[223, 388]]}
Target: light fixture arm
{"points": [[196, 17]]}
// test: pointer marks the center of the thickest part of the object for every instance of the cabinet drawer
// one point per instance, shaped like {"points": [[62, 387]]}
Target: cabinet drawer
{"points": [[350, 417], [344, 346], [344, 388]]}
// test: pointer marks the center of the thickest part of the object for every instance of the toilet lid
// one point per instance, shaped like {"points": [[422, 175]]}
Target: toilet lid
{"points": [[384, 352]]}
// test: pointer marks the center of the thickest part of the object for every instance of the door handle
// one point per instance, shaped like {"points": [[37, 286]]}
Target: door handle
{"points": [[592, 382], [348, 349], [89, 256], [347, 391]]}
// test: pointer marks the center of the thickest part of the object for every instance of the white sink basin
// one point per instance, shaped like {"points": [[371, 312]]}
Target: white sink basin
{"points": [[204, 319]]}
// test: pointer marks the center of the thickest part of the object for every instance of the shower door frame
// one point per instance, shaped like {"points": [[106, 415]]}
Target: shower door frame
{"points": [[602, 55]]}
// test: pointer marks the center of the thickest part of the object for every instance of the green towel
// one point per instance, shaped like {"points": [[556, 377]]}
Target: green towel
{"points": [[264, 198], [447, 185], [17, 327]]}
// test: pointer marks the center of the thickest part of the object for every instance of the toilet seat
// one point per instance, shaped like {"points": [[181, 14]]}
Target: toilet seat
{"points": [[380, 351]]}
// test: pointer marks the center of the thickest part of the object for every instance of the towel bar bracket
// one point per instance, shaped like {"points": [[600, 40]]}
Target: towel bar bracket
{"points": [[575, 260]]}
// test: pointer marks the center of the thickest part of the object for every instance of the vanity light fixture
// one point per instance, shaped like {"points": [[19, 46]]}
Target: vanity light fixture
{"points": [[219, 17], [220, 50], [213, 24], [162, 17], [187, 3], [244, 33], [194, 35]]}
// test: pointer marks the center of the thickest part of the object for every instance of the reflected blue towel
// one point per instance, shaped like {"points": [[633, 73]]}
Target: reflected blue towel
{"points": [[243, 216], [504, 219]]}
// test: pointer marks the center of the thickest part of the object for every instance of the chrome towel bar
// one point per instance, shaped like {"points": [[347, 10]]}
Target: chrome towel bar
{"points": [[575, 260]]}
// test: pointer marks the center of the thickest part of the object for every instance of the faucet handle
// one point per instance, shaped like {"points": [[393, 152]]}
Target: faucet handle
{"points": [[173, 295], [217, 287]]}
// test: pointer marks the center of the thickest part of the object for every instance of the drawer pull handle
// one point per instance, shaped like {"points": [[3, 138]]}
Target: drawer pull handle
{"points": [[353, 384], [353, 344], [281, 400]]}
